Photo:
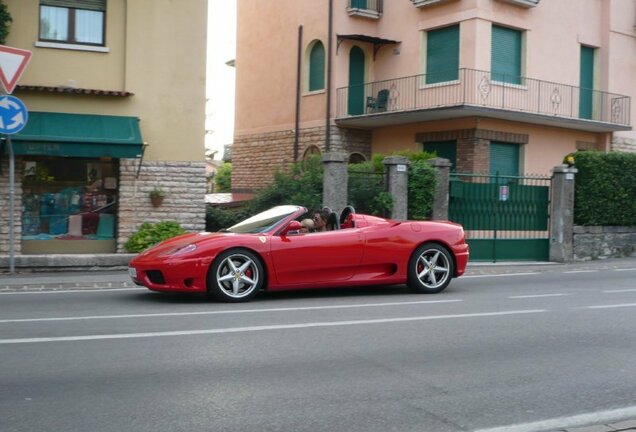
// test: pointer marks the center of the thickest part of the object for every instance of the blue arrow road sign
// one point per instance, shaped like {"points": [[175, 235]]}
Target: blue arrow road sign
{"points": [[13, 115]]}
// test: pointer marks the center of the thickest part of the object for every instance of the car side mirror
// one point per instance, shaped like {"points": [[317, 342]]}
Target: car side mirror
{"points": [[293, 226]]}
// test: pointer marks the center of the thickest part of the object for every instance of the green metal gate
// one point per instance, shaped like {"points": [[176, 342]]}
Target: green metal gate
{"points": [[506, 218]]}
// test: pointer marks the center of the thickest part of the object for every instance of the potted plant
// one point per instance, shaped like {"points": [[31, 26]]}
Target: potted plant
{"points": [[156, 196]]}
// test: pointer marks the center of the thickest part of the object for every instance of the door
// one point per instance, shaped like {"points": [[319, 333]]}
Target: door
{"points": [[586, 92], [356, 81], [315, 258]]}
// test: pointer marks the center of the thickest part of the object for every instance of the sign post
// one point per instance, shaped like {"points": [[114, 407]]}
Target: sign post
{"points": [[13, 118]]}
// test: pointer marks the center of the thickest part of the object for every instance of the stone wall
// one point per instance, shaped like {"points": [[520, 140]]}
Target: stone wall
{"points": [[255, 158], [185, 187], [599, 242], [624, 144], [4, 205]]}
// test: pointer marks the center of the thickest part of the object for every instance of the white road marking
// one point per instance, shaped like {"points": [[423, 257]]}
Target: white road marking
{"points": [[224, 312], [74, 291], [539, 295], [619, 291], [626, 269], [581, 271], [499, 275], [612, 306], [560, 423], [263, 328]]}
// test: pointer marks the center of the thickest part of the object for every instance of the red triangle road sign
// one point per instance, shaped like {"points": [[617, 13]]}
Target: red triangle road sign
{"points": [[13, 61]]}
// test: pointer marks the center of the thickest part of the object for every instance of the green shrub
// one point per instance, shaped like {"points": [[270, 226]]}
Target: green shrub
{"points": [[223, 178], [301, 186], [605, 188], [150, 234], [5, 22], [421, 195]]}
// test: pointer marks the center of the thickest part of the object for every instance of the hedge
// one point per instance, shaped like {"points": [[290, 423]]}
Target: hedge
{"points": [[605, 188]]}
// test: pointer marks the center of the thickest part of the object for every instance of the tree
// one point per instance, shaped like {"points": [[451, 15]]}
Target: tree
{"points": [[5, 22]]}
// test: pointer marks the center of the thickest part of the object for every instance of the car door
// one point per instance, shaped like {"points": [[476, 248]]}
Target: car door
{"points": [[312, 258]]}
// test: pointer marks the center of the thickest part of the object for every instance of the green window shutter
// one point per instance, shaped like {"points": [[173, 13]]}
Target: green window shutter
{"points": [[97, 5], [506, 55], [444, 149], [586, 92], [359, 4], [317, 67], [442, 55], [504, 158]]}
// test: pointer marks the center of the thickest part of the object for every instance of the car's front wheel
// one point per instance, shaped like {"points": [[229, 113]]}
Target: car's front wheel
{"points": [[430, 269], [236, 276]]}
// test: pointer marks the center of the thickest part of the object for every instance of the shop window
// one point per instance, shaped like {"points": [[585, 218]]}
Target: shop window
{"points": [[69, 203], [73, 21]]}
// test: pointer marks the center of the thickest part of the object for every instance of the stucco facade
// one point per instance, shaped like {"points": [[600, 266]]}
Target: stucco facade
{"points": [[543, 105], [150, 66]]}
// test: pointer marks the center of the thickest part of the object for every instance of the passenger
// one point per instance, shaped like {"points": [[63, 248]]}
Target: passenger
{"points": [[320, 220], [308, 226]]}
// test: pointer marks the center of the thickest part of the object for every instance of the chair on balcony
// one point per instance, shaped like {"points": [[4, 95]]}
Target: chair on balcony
{"points": [[378, 104]]}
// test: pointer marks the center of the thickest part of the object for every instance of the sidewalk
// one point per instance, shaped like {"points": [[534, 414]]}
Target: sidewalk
{"points": [[109, 279]]}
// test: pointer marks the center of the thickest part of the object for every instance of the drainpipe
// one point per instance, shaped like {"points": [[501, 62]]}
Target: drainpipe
{"points": [[329, 47], [298, 81]]}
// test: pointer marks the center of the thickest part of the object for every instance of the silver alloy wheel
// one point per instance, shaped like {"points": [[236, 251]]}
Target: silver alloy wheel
{"points": [[432, 268], [237, 276]]}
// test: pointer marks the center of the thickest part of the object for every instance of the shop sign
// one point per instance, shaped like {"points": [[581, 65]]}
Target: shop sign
{"points": [[13, 115]]}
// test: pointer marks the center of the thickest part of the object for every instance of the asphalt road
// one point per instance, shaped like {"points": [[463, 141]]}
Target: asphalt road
{"points": [[526, 352]]}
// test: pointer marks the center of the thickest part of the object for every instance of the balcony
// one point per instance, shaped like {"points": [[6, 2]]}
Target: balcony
{"points": [[523, 3], [476, 93], [425, 3], [365, 8]]}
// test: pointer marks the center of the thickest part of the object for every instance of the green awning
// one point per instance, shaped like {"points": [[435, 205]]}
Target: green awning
{"points": [[79, 135]]}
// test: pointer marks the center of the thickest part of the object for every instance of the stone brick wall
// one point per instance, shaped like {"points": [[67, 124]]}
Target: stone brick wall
{"points": [[255, 158], [600, 242], [624, 144], [184, 183], [4, 206]]}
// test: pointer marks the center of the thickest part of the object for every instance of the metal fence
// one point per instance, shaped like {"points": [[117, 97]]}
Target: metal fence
{"points": [[483, 89]]}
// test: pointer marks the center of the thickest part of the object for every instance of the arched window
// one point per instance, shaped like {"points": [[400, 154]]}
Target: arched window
{"points": [[355, 158], [311, 151], [317, 66]]}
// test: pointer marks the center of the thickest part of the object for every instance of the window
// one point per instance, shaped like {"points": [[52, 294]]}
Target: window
{"points": [[69, 205], [505, 62], [317, 67], [504, 159], [73, 21], [444, 149], [442, 55]]}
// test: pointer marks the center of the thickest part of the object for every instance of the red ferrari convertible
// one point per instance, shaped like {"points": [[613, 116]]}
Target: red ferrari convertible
{"points": [[269, 251]]}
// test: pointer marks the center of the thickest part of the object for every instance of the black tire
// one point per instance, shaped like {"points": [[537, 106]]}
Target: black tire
{"points": [[236, 275], [431, 269]]}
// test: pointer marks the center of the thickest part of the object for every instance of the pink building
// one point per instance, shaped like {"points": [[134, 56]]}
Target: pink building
{"points": [[508, 86]]}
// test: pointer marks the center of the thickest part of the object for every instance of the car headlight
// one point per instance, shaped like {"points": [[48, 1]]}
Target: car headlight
{"points": [[185, 250]]}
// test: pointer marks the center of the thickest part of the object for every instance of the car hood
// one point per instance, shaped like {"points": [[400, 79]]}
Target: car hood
{"points": [[173, 244]]}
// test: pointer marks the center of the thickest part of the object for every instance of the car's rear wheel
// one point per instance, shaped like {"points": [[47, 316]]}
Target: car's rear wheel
{"points": [[430, 269], [236, 276]]}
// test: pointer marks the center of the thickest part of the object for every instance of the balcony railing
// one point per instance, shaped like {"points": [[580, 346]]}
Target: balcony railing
{"points": [[481, 90], [366, 8]]}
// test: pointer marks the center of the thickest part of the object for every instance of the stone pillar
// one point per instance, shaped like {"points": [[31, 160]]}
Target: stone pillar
{"points": [[562, 214], [398, 178], [335, 179], [442, 189]]}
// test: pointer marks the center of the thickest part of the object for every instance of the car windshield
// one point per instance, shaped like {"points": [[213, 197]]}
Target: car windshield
{"points": [[264, 221]]}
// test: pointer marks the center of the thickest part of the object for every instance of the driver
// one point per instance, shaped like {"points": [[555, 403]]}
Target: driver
{"points": [[320, 220]]}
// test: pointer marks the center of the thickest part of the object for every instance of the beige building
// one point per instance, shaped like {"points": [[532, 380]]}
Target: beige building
{"points": [[116, 97], [507, 86]]}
